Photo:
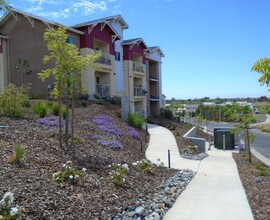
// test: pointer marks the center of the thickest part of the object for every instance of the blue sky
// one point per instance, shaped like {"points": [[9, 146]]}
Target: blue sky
{"points": [[209, 45]]}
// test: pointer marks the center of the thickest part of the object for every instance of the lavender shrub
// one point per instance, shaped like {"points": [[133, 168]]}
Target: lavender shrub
{"points": [[105, 123], [133, 133]]}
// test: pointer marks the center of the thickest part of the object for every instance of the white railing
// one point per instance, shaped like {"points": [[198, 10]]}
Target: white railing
{"points": [[105, 59], [103, 90], [138, 67], [139, 91]]}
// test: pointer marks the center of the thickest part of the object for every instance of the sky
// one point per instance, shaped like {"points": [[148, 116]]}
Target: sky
{"points": [[209, 45]]}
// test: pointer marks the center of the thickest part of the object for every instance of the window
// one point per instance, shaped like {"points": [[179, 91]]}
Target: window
{"points": [[70, 40], [117, 56]]}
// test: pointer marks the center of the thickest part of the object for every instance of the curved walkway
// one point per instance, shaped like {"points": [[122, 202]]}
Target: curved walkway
{"points": [[216, 191]]}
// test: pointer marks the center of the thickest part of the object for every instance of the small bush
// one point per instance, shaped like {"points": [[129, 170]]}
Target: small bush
{"points": [[135, 120], [144, 165], [68, 174], [191, 150], [84, 103], [84, 96], [17, 156], [117, 174], [99, 101], [8, 210], [13, 100], [261, 169], [55, 108], [41, 109], [115, 100]]}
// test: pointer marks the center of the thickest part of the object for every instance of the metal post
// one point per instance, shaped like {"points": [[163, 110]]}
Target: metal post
{"points": [[223, 141], [169, 159]]}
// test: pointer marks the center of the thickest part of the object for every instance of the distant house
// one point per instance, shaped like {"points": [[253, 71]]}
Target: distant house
{"points": [[127, 68]]}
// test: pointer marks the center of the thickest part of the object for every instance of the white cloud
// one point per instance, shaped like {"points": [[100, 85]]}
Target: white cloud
{"points": [[90, 7], [40, 11], [43, 1]]}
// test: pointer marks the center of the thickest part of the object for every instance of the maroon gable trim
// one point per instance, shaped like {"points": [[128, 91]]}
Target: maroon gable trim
{"points": [[105, 35]]}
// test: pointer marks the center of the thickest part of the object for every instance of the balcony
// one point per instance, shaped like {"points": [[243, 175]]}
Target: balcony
{"points": [[138, 67], [139, 91], [103, 90], [105, 59]]}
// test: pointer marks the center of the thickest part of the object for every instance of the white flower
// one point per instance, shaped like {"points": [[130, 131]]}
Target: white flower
{"points": [[69, 162], [84, 169], [1, 217], [125, 166], [13, 211], [9, 196], [76, 176], [71, 176], [110, 166]]}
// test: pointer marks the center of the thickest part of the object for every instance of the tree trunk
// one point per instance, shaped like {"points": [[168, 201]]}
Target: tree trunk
{"points": [[60, 115], [248, 142], [72, 116]]}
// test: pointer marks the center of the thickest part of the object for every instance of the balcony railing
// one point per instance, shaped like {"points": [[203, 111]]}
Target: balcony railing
{"points": [[139, 91], [105, 59], [138, 67], [103, 90]]}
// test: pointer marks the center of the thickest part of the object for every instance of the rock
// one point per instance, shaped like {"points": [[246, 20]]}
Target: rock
{"points": [[139, 210]]}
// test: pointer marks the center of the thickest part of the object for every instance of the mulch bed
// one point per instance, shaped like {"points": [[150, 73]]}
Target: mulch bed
{"points": [[257, 187], [94, 197]]}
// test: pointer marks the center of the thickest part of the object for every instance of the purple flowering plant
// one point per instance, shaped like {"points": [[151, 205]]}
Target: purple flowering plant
{"points": [[106, 124], [261, 180], [133, 133], [109, 142], [52, 121]]}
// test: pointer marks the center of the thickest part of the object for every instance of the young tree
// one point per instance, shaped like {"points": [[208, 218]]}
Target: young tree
{"points": [[244, 122], [66, 71], [4, 6], [263, 66]]}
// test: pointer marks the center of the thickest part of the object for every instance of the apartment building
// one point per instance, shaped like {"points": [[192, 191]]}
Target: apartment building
{"points": [[127, 68], [21, 40]]}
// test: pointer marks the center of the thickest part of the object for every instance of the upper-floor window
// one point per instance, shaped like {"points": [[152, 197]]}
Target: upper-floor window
{"points": [[70, 40], [117, 56]]}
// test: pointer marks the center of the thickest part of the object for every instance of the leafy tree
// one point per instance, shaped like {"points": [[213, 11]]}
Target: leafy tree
{"points": [[4, 6], [66, 71], [244, 122], [263, 66]]}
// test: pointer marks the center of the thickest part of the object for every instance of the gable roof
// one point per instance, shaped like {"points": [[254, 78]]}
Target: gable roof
{"points": [[118, 18], [134, 41], [13, 13], [156, 49]]}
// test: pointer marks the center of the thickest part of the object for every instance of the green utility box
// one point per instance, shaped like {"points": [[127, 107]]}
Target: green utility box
{"points": [[224, 133]]}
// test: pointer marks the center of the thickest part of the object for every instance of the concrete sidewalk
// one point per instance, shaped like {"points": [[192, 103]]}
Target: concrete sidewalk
{"points": [[215, 193]]}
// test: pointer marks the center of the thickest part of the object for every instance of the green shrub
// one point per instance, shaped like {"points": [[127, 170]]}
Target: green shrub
{"points": [[8, 209], [261, 169], [166, 113], [69, 174], [115, 100], [84, 103], [84, 96], [13, 100], [17, 156], [55, 108], [99, 101], [41, 109], [144, 165], [135, 120], [117, 174]]}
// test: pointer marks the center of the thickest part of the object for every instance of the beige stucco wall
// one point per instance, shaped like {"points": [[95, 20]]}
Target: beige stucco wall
{"points": [[26, 42], [89, 74]]}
